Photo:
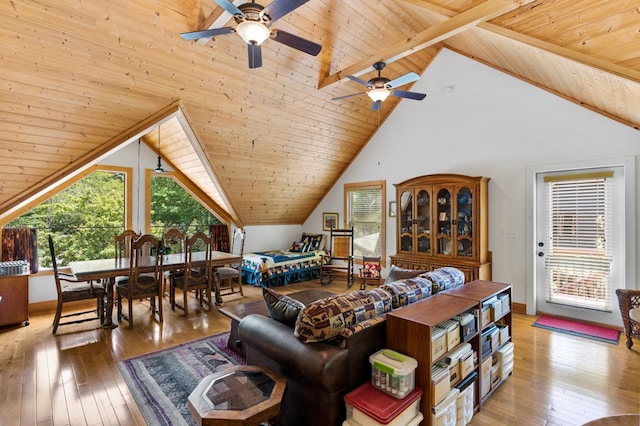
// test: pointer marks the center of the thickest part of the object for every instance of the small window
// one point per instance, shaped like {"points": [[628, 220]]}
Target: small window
{"points": [[365, 210]]}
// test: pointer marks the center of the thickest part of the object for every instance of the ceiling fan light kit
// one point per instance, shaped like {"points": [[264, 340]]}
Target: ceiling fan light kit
{"points": [[253, 25], [380, 88]]}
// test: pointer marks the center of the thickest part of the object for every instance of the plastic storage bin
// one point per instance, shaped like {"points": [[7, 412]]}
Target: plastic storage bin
{"points": [[415, 422], [393, 372], [465, 401], [366, 405], [467, 325], [446, 413]]}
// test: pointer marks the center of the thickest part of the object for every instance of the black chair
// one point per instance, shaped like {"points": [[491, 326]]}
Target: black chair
{"points": [[190, 279], [142, 285], [72, 291]]}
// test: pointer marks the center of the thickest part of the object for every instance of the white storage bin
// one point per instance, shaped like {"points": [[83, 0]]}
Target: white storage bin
{"points": [[393, 372], [415, 422], [446, 413]]}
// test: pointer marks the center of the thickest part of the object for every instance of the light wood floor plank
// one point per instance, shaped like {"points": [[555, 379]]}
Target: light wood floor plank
{"points": [[73, 377]]}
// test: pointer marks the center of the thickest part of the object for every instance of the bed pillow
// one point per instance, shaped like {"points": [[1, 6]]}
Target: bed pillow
{"points": [[397, 273], [298, 247], [314, 241], [282, 308]]}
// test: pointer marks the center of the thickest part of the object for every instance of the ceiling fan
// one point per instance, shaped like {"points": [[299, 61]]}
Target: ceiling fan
{"points": [[380, 87], [254, 22]]}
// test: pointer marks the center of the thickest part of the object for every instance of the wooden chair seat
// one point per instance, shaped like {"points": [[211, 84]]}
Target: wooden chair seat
{"points": [[229, 274]]}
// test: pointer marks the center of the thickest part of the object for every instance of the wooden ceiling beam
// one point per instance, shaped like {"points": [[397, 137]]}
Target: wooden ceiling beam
{"points": [[573, 55], [442, 31]]}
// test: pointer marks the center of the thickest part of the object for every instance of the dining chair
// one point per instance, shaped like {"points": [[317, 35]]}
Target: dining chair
{"points": [[193, 279], [233, 272], [173, 241], [145, 277], [370, 271], [72, 291], [122, 243]]}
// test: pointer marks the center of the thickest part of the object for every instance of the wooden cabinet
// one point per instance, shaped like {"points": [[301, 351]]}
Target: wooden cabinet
{"points": [[409, 331], [443, 220], [14, 299]]}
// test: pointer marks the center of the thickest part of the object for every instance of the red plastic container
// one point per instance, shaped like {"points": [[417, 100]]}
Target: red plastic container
{"points": [[367, 405]]}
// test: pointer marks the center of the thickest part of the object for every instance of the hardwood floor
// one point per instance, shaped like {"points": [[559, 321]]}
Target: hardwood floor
{"points": [[73, 379]]}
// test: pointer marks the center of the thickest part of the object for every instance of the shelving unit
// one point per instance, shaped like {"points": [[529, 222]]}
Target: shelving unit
{"points": [[443, 221], [409, 331]]}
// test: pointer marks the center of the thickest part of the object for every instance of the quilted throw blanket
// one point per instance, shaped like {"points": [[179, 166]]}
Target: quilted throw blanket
{"points": [[281, 267]]}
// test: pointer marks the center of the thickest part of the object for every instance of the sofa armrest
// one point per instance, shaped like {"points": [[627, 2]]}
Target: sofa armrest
{"points": [[272, 344]]}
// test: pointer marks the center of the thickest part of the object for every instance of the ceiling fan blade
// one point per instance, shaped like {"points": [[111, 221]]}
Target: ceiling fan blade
{"points": [[409, 95], [206, 33], [229, 7], [357, 80], [255, 55], [279, 8], [405, 79], [376, 105], [296, 42], [348, 96]]}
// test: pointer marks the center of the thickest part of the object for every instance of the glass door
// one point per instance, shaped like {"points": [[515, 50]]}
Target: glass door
{"points": [[405, 222], [444, 221], [423, 221], [464, 222]]}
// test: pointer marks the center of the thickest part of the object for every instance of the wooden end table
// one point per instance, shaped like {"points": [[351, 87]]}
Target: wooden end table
{"points": [[237, 312], [243, 395]]}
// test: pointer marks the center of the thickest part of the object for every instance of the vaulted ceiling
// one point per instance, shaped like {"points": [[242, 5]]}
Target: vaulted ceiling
{"points": [[80, 78]]}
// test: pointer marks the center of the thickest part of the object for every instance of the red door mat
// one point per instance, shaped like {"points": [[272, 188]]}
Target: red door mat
{"points": [[595, 332]]}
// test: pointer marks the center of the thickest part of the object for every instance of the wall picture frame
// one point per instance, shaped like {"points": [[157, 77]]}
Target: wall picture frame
{"points": [[329, 221], [392, 209]]}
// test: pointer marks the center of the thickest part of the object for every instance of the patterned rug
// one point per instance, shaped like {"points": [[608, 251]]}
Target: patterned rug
{"points": [[162, 381]]}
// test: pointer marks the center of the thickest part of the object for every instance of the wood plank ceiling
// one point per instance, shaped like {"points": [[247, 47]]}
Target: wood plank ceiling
{"points": [[78, 78]]}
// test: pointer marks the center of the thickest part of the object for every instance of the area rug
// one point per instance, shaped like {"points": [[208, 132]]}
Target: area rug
{"points": [[162, 381], [576, 328]]}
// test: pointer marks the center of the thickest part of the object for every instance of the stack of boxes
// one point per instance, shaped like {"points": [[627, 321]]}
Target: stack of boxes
{"points": [[451, 380], [497, 350], [391, 398]]}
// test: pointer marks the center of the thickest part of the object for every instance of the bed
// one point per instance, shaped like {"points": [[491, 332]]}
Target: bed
{"points": [[301, 262]]}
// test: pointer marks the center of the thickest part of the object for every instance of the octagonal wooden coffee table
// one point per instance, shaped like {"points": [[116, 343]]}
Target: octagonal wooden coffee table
{"points": [[241, 395]]}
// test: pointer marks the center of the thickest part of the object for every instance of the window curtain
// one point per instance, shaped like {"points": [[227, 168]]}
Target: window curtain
{"points": [[220, 238], [20, 244]]}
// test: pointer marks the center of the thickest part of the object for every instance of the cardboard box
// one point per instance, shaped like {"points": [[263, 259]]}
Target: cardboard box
{"points": [[452, 328], [467, 325], [445, 413], [438, 343], [440, 384]]}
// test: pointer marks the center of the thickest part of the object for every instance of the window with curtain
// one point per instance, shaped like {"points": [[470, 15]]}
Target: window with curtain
{"points": [[578, 261], [365, 211]]}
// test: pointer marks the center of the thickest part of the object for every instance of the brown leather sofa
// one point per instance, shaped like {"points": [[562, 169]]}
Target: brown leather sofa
{"points": [[318, 374]]}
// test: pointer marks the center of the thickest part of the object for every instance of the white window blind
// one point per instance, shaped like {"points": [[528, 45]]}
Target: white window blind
{"points": [[579, 257], [364, 206]]}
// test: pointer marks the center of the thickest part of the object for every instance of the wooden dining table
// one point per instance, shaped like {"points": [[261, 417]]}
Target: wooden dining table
{"points": [[107, 270]]}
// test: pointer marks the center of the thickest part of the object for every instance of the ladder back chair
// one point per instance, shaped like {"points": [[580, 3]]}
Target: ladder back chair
{"points": [[123, 243], [71, 290], [233, 272], [173, 241], [145, 277], [193, 279]]}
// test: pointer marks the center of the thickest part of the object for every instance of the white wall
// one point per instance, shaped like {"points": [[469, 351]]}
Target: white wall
{"points": [[492, 125]]}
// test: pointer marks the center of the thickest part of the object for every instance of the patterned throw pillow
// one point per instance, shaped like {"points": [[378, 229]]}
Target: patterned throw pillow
{"points": [[371, 270], [324, 319], [408, 291], [282, 308], [445, 278], [297, 247]]}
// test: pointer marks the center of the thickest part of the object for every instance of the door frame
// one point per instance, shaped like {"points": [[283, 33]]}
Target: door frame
{"points": [[628, 165]]}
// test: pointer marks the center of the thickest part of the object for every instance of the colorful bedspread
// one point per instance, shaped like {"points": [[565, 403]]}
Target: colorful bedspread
{"points": [[281, 267]]}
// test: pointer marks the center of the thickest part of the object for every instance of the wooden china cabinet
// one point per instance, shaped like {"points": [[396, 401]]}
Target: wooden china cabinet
{"points": [[443, 220]]}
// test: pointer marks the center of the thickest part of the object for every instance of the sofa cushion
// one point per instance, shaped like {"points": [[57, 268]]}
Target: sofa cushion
{"points": [[396, 273], [444, 278], [324, 319], [281, 308], [407, 291]]}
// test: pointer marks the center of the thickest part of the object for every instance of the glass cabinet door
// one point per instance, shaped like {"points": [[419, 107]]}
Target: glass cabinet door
{"points": [[464, 223], [444, 221], [423, 221], [405, 222]]}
